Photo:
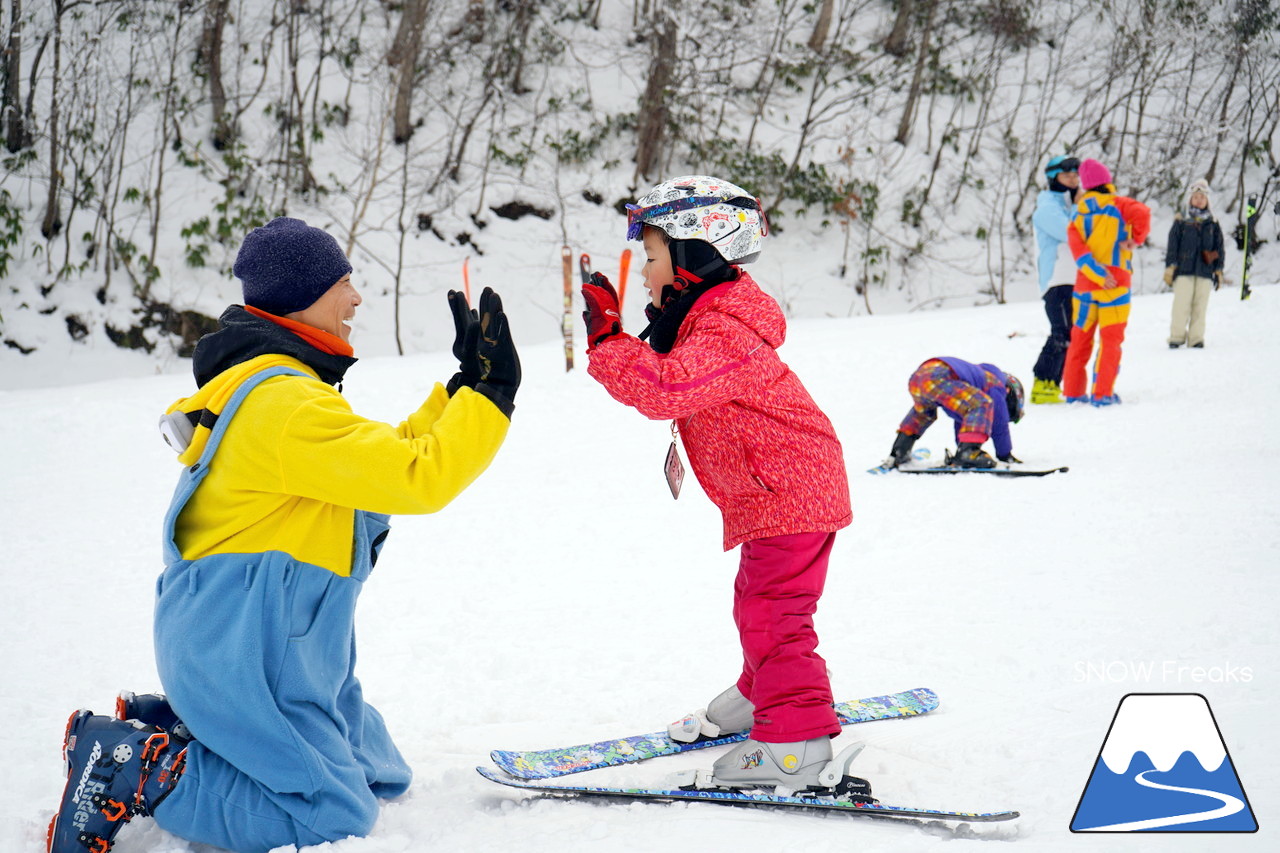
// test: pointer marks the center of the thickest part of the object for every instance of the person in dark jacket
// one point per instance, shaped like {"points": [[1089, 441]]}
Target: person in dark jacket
{"points": [[981, 398], [1193, 265]]}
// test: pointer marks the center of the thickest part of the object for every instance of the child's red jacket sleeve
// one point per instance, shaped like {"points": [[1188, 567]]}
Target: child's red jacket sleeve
{"points": [[1137, 216]]}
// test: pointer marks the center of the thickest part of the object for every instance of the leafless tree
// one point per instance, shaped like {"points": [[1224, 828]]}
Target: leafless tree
{"points": [[897, 42], [654, 107], [403, 56], [16, 135], [917, 77], [209, 59]]}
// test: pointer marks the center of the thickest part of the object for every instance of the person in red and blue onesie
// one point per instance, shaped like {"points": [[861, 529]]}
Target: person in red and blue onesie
{"points": [[1103, 234]]}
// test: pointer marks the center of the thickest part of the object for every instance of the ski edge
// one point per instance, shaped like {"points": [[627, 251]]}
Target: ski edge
{"points": [[995, 472], [892, 706], [879, 810]]}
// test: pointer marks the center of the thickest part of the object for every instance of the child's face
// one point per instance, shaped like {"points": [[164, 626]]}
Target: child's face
{"points": [[1200, 200], [657, 270]]}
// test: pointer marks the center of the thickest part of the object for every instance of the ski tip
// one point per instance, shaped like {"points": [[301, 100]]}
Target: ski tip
{"points": [[511, 766], [503, 778], [927, 697]]}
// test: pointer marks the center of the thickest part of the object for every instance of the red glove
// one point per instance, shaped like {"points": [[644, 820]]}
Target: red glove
{"points": [[602, 317]]}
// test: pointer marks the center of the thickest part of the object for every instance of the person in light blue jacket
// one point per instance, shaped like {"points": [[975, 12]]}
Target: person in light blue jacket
{"points": [[1054, 209]]}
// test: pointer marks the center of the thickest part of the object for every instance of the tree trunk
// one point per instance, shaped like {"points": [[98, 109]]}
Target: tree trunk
{"points": [[52, 223], [896, 43], [653, 103], [404, 55], [1222, 119], [908, 112], [15, 131], [819, 37], [210, 59]]}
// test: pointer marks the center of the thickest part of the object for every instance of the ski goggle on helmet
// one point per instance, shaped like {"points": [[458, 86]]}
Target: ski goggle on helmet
{"points": [[700, 207], [1058, 165]]}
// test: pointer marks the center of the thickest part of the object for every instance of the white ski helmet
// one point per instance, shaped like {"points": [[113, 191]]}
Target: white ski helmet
{"points": [[700, 207]]}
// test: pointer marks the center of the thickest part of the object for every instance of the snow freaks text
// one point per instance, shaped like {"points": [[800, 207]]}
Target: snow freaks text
{"points": [[1147, 671]]}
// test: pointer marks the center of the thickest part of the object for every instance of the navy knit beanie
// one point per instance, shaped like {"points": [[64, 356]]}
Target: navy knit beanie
{"points": [[286, 265]]}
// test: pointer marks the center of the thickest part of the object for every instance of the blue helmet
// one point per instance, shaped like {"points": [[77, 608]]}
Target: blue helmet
{"points": [[1060, 164]]}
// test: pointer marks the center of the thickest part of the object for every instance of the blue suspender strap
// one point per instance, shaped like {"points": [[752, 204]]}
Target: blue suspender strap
{"points": [[193, 475]]}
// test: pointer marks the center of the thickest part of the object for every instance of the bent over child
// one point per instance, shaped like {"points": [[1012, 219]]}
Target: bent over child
{"points": [[981, 398], [762, 450]]}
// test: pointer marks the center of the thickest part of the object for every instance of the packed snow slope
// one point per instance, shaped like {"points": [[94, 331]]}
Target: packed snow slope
{"points": [[565, 597]]}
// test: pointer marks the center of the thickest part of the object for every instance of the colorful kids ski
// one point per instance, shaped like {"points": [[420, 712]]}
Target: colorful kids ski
{"points": [[561, 761], [566, 322]]}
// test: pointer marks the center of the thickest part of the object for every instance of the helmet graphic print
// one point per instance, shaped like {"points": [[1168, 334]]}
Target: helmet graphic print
{"points": [[700, 207]]}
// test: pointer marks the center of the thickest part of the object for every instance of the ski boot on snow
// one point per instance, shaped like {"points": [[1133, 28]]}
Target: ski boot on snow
{"points": [[727, 714], [1045, 392], [804, 768], [1106, 400], [116, 771], [900, 453], [971, 455]]}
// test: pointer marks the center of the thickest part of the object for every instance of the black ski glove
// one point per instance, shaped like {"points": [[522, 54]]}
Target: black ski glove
{"points": [[496, 354], [466, 325]]}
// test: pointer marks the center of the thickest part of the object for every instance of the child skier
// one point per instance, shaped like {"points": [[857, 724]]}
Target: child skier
{"points": [[1057, 268], [1194, 258], [982, 400], [763, 451], [275, 526], [1103, 234]]}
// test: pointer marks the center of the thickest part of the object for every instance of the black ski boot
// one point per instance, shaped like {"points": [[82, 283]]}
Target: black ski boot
{"points": [[901, 452], [971, 455]]}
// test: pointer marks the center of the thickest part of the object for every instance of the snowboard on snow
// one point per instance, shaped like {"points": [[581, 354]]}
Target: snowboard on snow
{"points": [[561, 761], [742, 798], [887, 465], [1002, 469]]}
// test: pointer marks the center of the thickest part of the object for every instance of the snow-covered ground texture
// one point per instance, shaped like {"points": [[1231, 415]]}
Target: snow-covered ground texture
{"points": [[565, 597]]}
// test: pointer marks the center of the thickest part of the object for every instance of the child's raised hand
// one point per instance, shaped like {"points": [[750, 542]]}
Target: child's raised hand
{"points": [[602, 317]]}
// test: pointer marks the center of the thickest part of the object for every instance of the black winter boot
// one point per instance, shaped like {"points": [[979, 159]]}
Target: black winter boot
{"points": [[901, 452], [971, 455]]}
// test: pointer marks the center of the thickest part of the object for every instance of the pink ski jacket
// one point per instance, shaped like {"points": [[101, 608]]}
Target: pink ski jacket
{"points": [[760, 447]]}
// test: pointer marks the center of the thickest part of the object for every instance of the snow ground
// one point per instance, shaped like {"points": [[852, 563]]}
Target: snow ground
{"points": [[565, 597]]}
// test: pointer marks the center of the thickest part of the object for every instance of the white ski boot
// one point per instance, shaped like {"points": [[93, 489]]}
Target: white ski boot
{"points": [[729, 713], [786, 769]]}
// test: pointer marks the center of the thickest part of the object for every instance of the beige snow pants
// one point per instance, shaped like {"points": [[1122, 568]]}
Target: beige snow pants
{"points": [[1190, 302]]}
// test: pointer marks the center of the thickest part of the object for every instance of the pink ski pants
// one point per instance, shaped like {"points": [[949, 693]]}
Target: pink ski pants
{"points": [[780, 580]]}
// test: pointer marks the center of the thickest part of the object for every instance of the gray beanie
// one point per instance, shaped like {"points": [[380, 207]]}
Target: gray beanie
{"points": [[286, 265]]}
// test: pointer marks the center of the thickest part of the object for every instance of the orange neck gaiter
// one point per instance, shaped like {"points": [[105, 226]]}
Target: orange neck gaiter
{"points": [[318, 338]]}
